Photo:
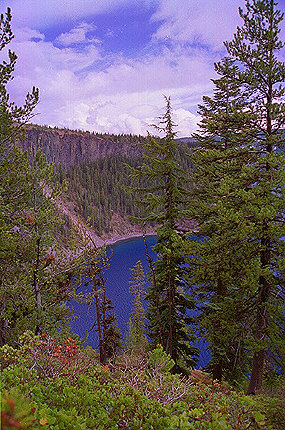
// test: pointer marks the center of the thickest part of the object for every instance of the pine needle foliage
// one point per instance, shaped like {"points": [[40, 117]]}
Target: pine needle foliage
{"points": [[136, 337], [164, 200], [239, 198]]}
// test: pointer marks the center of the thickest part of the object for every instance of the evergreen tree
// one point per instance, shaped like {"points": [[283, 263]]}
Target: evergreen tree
{"points": [[164, 200], [136, 337], [12, 116], [42, 220], [240, 181], [219, 211], [14, 186], [109, 336], [33, 282]]}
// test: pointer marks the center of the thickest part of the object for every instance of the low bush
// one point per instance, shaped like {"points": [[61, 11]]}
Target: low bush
{"points": [[63, 387]]}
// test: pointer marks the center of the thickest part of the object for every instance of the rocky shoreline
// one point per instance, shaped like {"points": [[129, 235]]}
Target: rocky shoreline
{"points": [[125, 238]]}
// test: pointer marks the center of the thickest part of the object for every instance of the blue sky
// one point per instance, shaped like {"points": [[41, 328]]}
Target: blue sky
{"points": [[104, 65]]}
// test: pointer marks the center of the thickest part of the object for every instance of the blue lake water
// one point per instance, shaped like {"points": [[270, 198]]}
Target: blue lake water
{"points": [[125, 256]]}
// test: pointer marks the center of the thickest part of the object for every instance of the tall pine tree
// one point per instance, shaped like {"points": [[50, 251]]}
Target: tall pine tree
{"points": [[14, 187], [240, 181], [33, 282], [218, 208], [165, 201]]}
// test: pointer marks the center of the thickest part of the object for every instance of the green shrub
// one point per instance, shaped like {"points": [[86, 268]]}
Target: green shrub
{"points": [[72, 391]]}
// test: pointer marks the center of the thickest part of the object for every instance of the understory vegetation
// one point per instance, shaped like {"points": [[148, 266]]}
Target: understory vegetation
{"points": [[61, 386]]}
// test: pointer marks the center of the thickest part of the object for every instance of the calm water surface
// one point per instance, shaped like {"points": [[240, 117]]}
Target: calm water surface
{"points": [[125, 256]]}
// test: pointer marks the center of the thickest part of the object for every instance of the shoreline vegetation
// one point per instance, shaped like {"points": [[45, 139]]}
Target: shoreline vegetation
{"points": [[122, 229], [114, 238], [137, 232]]}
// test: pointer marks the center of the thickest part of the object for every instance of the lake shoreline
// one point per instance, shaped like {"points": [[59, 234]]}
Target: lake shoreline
{"points": [[135, 232], [127, 238]]}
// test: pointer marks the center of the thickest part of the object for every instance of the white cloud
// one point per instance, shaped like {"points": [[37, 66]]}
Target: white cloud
{"points": [[206, 22], [127, 95], [185, 120], [40, 59], [156, 72], [135, 113], [26, 33], [77, 35], [118, 114]]}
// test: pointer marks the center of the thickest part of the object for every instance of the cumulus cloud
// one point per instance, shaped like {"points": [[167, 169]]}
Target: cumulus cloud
{"points": [[26, 33], [207, 22], [135, 113], [126, 96], [185, 120], [77, 35], [82, 86]]}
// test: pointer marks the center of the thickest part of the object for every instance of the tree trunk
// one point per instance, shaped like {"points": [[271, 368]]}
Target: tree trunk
{"points": [[218, 371], [258, 362], [158, 318], [255, 382], [37, 290], [99, 327], [218, 366], [265, 255]]}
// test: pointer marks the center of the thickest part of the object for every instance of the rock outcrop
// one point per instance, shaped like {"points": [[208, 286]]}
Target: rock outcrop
{"points": [[66, 147]]}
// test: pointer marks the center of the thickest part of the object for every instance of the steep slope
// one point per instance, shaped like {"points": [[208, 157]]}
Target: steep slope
{"points": [[69, 147], [93, 166]]}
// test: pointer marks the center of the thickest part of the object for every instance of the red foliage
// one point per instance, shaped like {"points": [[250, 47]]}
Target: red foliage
{"points": [[50, 258], [9, 422], [29, 219], [58, 359]]}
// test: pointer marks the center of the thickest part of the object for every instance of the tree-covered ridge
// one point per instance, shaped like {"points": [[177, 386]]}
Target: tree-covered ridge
{"points": [[69, 147], [100, 188]]}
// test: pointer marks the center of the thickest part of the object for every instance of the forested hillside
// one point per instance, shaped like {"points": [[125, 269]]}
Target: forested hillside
{"points": [[94, 168]]}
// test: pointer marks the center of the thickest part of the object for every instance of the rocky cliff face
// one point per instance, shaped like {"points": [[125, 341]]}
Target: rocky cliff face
{"points": [[68, 147]]}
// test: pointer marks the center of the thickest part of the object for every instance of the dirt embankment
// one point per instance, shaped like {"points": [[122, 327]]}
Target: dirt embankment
{"points": [[122, 229]]}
